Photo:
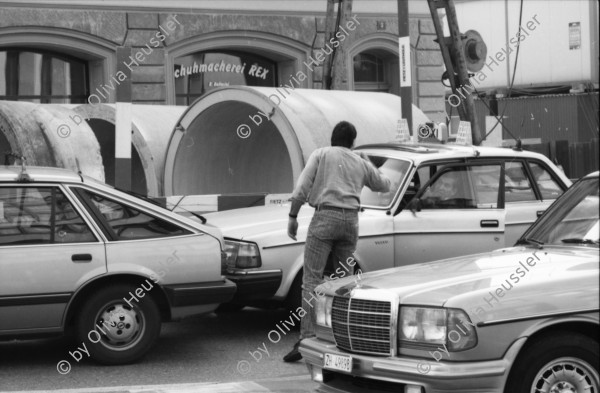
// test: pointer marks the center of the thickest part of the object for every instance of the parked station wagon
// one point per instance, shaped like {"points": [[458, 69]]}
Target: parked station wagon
{"points": [[464, 200], [78, 253], [517, 320]]}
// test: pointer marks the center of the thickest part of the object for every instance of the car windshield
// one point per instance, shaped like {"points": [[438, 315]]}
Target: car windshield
{"points": [[396, 171], [572, 220]]}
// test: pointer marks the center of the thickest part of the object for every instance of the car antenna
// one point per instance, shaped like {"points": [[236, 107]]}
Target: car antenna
{"points": [[79, 169], [519, 145]]}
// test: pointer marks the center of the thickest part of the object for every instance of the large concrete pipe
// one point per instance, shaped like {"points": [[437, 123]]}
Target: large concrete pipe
{"points": [[47, 136], [151, 128], [243, 139]]}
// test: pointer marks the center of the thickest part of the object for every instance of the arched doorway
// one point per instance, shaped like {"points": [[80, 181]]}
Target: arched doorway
{"points": [[376, 70], [374, 65]]}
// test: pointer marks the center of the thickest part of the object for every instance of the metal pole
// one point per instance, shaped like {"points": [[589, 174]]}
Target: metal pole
{"points": [[462, 72], [123, 122], [405, 64], [330, 29]]}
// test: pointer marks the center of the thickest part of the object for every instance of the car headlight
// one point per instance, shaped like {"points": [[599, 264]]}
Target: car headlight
{"points": [[242, 255], [437, 326], [323, 310]]}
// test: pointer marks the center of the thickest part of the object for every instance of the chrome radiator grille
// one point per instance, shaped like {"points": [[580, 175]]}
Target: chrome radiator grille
{"points": [[362, 325]]}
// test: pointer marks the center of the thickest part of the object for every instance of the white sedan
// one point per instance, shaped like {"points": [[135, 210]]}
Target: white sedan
{"points": [[463, 200]]}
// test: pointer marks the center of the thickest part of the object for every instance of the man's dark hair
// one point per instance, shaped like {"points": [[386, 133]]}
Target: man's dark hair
{"points": [[343, 134]]}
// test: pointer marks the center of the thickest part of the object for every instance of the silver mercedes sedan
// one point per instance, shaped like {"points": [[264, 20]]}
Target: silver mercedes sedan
{"points": [[523, 319]]}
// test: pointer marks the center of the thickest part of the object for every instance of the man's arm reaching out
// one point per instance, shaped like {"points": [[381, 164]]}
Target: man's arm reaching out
{"points": [[376, 180]]}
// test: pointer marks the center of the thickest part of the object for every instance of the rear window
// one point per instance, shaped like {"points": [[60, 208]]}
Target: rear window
{"points": [[129, 223]]}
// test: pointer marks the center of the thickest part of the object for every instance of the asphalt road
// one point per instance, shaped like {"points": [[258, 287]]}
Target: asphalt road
{"points": [[207, 349]]}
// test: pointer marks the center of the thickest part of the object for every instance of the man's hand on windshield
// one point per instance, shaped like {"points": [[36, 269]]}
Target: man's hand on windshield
{"points": [[292, 228]]}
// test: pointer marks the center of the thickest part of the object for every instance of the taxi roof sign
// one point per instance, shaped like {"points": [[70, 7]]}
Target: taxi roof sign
{"points": [[402, 134], [464, 136]]}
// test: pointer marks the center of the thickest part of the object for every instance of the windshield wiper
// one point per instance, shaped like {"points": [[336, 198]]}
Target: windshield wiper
{"points": [[575, 240], [155, 202], [202, 218], [531, 241]]}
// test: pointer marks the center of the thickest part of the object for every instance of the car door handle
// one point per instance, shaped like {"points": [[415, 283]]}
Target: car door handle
{"points": [[489, 223], [81, 257], [540, 212]]}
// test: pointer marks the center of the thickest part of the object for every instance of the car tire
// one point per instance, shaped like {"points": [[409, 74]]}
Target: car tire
{"points": [[561, 362], [114, 331]]}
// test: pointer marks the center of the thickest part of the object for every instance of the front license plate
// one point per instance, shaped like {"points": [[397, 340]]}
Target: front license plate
{"points": [[338, 362]]}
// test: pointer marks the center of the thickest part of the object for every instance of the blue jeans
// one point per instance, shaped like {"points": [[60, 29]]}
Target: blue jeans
{"points": [[329, 230]]}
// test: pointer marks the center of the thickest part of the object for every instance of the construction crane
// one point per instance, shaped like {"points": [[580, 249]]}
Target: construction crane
{"points": [[461, 53]]}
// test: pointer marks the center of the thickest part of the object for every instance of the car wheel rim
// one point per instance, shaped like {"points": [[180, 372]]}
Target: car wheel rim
{"points": [[119, 327], [566, 375]]}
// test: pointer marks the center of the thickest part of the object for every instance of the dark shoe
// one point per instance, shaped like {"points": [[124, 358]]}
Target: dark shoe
{"points": [[294, 355]]}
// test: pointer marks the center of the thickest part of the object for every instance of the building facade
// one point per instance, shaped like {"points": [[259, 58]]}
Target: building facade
{"points": [[157, 53]]}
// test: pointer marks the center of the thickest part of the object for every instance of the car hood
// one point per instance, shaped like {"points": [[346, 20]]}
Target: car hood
{"points": [[267, 225], [498, 282], [252, 223]]}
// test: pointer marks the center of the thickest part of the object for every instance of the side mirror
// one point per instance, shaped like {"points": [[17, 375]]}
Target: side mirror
{"points": [[414, 205]]}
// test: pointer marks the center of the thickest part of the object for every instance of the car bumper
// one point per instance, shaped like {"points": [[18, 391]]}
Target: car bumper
{"points": [[197, 294], [399, 373], [255, 285]]}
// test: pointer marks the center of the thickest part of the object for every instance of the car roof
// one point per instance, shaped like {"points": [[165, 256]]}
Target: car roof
{"points": [[38, 174], [592, 175], [419, 152]]}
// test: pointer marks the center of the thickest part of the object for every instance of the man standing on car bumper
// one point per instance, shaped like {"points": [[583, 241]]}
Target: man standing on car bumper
{"points": [[331, 182]]}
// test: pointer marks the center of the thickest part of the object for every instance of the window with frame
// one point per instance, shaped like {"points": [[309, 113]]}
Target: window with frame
{"points": [[517, 186], [371, 72], [486, 185], [368, 68], [40, 215], [129, 223], [549, 188], [422, 175], [449, 190], [377, 69], [462, 187], [42, 77]]}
